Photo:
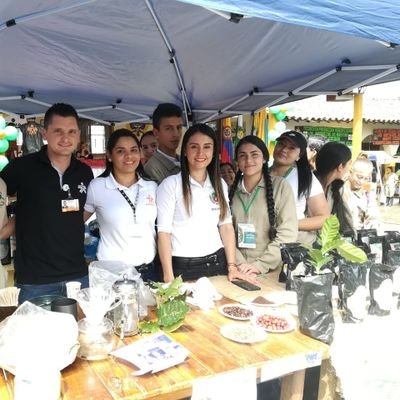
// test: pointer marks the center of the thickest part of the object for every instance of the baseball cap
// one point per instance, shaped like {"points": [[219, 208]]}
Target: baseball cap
{"points": [[296, 138]]}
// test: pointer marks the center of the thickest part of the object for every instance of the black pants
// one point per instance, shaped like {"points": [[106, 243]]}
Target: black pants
{"points": [[192, 268]]}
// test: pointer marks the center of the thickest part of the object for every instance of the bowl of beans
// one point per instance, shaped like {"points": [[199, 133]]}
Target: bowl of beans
{"points": [[236, 311], [274, 322]]}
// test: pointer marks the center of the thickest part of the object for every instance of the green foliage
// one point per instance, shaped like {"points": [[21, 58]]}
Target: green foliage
{"points": [[351, 253], [171, 307], [330, 240]]}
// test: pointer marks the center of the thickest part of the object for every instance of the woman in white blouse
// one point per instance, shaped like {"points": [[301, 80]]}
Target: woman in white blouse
{"points": [[195, 232], [125, 205], [290, 162]]}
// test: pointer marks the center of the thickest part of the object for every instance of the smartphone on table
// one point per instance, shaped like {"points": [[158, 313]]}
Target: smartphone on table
{"points": [[245, 285]]}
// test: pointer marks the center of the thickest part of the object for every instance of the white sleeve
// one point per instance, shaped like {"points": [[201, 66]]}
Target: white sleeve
{"points": [[90, 205], [228, 218], [316, 187], [166, 203], [20, 138]]}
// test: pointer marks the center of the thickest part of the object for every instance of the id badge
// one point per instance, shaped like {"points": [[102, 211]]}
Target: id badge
{"points": [[69, 205], [134, 230], [246, 236]]}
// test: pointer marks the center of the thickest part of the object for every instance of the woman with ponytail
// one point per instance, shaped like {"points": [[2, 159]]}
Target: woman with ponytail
{"points": [[290, 162], [263, 210], [123, 199], [333, 163]]}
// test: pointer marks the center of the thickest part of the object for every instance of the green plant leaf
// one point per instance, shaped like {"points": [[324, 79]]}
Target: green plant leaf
{"points": [[350, 252], [149, 326], [171, 312], [329, 246], [330, 230], [173, 327]]}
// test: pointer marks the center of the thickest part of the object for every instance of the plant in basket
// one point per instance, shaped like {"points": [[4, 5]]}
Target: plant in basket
{"points": [[171, 307], [314, 277]]}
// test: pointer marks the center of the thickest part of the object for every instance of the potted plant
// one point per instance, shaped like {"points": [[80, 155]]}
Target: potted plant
{"points": [[314, 277], [171, 307]]}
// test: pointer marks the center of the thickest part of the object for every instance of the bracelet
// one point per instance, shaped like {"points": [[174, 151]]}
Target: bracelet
{"points": [[231, 265]]}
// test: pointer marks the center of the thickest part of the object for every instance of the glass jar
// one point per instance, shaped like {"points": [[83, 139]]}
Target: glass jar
{"points": [[96, 339]]}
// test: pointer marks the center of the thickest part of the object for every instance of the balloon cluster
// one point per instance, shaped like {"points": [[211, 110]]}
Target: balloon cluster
{"points": [[279, 112], [6, 133]]}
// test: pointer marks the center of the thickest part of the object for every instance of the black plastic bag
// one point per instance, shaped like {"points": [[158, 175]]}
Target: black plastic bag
{"points": [[292, 254], [364, 235], [381, 289], [391, 241], [376, 247], [393, 259], [314, 304], [353, 290]]}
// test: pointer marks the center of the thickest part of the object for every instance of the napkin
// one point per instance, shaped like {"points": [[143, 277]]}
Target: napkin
{"points": [[203, 293]]}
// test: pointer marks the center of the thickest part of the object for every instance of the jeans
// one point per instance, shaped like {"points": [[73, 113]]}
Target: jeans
{"points": [[55, 288]]}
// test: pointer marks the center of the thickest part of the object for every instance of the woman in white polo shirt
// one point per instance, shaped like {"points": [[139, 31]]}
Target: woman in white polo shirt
{"points": [[195, 232], [125, 205], [290, 162]]}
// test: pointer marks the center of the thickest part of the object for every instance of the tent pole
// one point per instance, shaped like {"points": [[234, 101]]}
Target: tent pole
{"points": [[357, 125], [173, 60]]}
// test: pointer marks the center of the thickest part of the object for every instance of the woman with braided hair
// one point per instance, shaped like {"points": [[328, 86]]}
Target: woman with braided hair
{"points": [[263, 210]]}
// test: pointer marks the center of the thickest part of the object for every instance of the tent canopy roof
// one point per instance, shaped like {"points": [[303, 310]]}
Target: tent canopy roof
{"points": [[116, 60]]}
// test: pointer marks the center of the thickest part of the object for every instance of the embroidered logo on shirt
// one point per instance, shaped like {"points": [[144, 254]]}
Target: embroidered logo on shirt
{"points": [[150, 200], [82, 188], [214, 198]]}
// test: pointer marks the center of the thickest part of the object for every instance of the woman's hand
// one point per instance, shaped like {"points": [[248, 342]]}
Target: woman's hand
{"points": [[168, 277], [251, 277], [247, 269]]}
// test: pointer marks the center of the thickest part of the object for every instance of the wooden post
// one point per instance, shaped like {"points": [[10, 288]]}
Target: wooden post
{"points": [[357, 124]]}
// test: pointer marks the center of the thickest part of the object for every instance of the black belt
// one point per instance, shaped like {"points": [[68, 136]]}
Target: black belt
{"points": [[213, 258]]}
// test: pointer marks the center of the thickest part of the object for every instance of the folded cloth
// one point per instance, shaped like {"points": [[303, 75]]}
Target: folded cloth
{"points": [[203, 293]]}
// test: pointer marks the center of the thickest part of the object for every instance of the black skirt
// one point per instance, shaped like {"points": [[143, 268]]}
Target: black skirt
{"points": [[192, 268]]}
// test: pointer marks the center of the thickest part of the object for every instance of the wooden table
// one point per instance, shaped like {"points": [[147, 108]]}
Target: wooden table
{"points": [[210, 354]]}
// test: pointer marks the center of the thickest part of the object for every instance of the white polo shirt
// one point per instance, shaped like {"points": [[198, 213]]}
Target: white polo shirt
{"points": [[301, 203], [196, 235], [115, 218]]}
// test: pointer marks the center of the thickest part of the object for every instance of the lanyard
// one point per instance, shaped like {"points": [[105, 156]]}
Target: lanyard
{"points": [[133, 206], [246, 207], [287, 173]]}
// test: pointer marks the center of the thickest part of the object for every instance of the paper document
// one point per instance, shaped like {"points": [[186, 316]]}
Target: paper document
{"points": [[153, 353]]}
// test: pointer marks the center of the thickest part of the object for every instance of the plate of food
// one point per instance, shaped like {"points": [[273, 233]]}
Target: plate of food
{"points": [[243, 333], [262, 301], [239, 312], [274, 322]]}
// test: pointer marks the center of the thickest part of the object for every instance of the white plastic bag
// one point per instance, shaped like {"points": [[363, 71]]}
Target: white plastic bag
{"points": [[105, 273], [34, 335]]}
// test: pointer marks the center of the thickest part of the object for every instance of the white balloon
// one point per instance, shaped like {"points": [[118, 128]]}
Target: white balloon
{"points": [[280, 127], [273, 134]]}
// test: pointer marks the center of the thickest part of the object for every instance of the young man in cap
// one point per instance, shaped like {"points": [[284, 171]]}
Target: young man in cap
{"points": [[291, 163], [51, 192], [167, 128]]}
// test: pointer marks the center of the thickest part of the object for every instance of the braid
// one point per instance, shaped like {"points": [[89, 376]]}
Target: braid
{"points": [[269, 197], [234, 186]]}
